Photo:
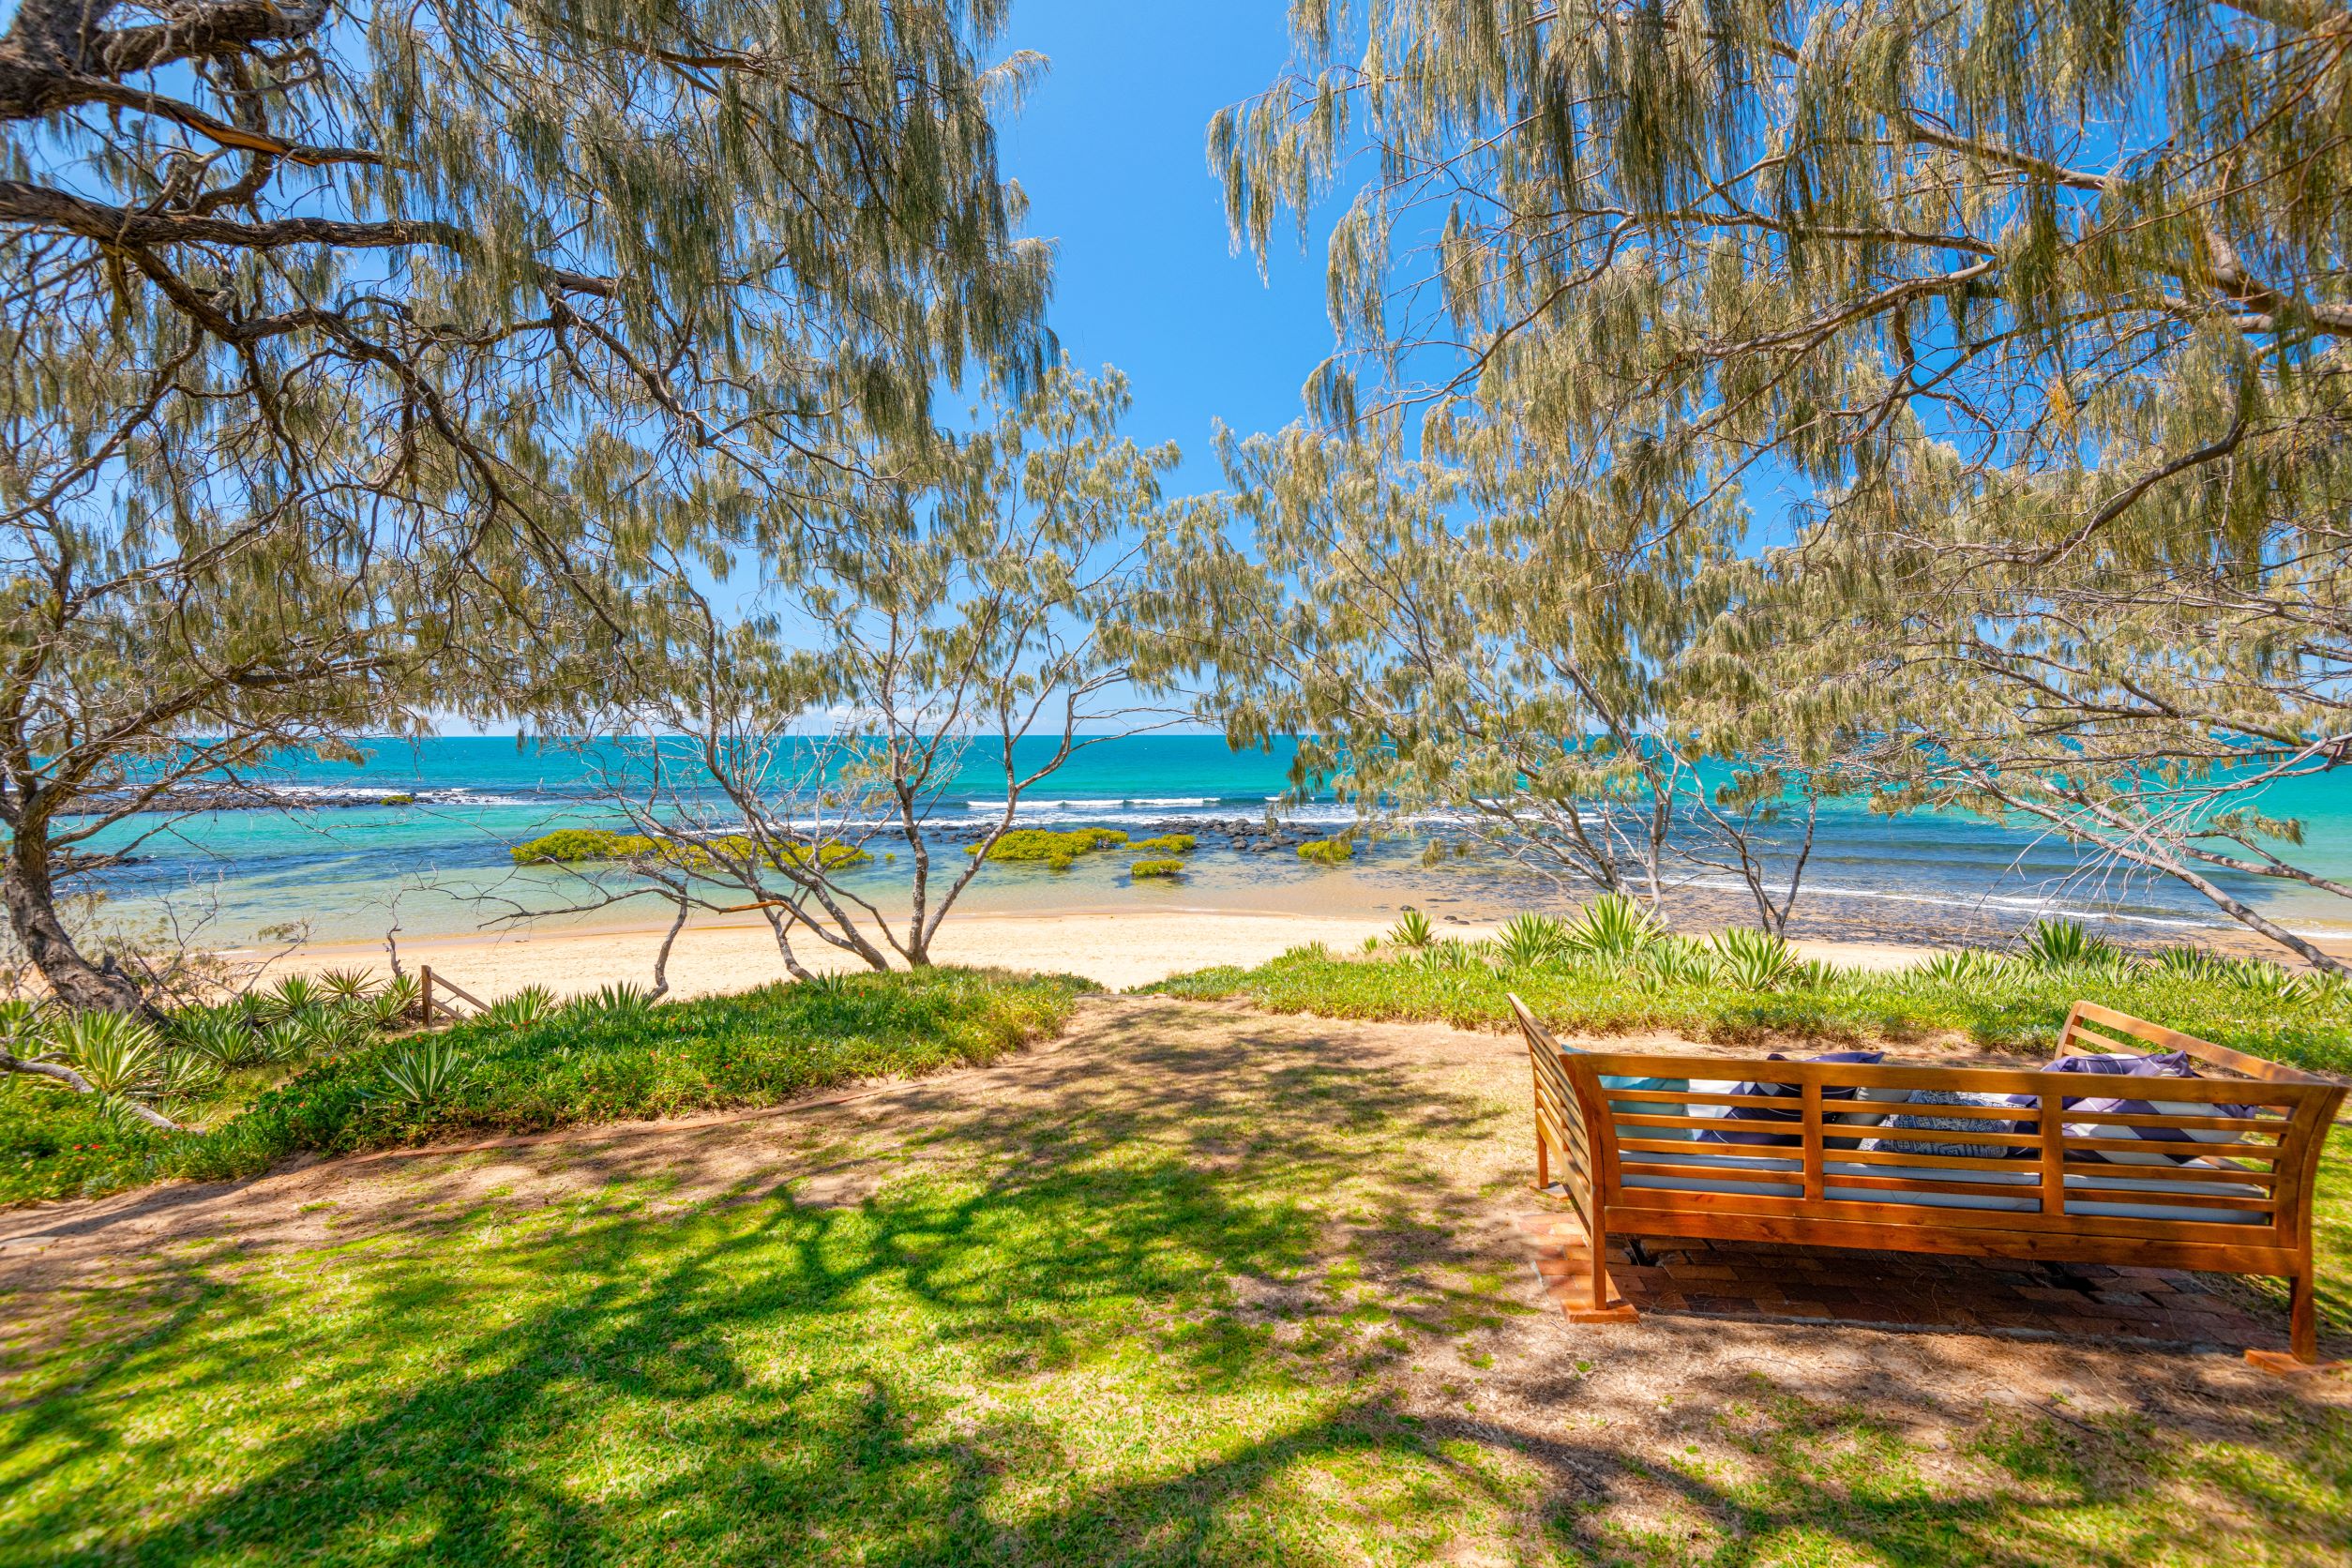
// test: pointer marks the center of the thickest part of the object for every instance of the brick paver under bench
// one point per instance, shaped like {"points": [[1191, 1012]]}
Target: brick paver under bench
{"points": [[1765, 1282]]}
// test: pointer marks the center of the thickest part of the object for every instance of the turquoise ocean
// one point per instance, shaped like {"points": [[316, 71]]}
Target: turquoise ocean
{"points": [[349, 866]]}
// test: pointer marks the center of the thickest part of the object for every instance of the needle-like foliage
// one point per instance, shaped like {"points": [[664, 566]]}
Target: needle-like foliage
{"points": [[2029, 314]]}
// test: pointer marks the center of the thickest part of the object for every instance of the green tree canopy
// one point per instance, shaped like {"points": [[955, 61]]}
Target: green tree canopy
{"points": [[345, 350]]}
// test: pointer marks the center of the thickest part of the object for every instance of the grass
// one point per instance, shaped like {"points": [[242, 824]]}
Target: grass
{"points": [[579, 1063], [2018, 1008], [1170, 1322]]}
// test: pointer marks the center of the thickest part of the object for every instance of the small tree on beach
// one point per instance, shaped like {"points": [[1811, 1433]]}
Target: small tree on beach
{"points": [[1457, 633], [351, 352], [2033, 317], [965, 626]]}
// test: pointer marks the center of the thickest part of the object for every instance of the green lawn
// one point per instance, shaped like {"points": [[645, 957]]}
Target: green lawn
{"points": [[2020, 1009], [580, 1064], [1215, 1292]]}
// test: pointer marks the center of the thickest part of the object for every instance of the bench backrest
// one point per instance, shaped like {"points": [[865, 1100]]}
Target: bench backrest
{"points": [[2230, 1159]]}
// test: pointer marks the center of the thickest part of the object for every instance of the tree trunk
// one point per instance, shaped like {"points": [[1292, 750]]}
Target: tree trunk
{"points": [[31, 897]]}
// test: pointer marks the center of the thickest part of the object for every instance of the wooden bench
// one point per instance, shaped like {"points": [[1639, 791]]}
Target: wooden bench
{"points": [[2030, 1187]]}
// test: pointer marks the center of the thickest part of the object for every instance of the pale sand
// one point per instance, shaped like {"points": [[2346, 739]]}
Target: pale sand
{"points": [[1116, 949]]}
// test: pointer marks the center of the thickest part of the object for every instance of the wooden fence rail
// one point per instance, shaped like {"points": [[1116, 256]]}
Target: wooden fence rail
{"points": [[425, 1003]]}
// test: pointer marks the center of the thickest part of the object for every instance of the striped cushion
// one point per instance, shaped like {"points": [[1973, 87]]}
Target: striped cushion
{"points": [[2173, 1065]]}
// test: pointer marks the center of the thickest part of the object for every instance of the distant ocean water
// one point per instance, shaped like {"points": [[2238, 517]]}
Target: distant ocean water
{"points": [[439, 865]]}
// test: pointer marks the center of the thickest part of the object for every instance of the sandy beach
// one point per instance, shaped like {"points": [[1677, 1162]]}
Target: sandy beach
{"points": [[1119, 949]]}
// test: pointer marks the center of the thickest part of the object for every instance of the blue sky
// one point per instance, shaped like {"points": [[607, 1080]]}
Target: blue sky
{"points": [[1110, 148]]}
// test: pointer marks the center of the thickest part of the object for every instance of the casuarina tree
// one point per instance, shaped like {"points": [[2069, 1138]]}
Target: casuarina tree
{"points": [[347, 351]]}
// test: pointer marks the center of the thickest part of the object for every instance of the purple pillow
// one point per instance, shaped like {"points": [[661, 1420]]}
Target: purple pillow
{"points": [[1791, 1091]]}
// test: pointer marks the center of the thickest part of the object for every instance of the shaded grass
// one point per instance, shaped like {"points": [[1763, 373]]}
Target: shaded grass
{"points": [[1787, 1479], [1148, 1324], [2019, 1011], [580, 1064]]}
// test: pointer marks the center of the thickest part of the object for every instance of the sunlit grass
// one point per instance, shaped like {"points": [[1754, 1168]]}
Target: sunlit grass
{"points": [[2018, 1008]]}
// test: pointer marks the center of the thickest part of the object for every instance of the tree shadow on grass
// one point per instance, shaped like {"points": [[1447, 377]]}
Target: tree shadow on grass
{"points": [[1026, 1348]]}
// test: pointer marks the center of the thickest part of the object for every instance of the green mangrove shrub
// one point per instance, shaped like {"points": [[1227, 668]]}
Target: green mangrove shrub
{"points": [[1056, 851], [1168, 843], [576, 845]]}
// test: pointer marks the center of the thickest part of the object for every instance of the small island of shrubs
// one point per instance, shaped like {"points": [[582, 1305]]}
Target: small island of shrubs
{"points": [[1168, 843], [1143, 868], [1328, 852], [573, 845], [1055, 851]]}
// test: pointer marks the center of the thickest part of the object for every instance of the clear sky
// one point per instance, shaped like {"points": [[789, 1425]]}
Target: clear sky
{"points": [[1110, 149]]}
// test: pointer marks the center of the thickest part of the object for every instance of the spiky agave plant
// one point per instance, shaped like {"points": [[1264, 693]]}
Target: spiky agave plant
{"points": [[1673, 960], [223, 1035], [1964, 966], [2271, 982], [619, 996], [1753, 961], [1613, 928], [2068, 944], [347, 985], [398, 1000], [282, 1041], [385, 1013], [185, 1075], [1531, 940], [293, 994], [22, 1027], [423, 1073], [527, 1007], [114, 1053], [1412, 929], [2188, 963]]}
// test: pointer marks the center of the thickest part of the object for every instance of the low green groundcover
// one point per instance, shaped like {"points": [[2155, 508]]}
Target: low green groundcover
{"points": [[580, 1064], [2017, 1008], [1143, 868]]}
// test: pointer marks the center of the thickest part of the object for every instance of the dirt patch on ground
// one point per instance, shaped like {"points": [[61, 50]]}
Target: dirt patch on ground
{"points": [[1417, 1138]]}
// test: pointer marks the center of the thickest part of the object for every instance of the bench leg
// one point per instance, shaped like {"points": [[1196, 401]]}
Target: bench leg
{"points": [[1599, 1238], [1543, 1159], [2303, 1332]]}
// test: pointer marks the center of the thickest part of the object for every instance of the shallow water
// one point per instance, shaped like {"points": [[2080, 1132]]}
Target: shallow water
{"points": [[440, 864]]}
